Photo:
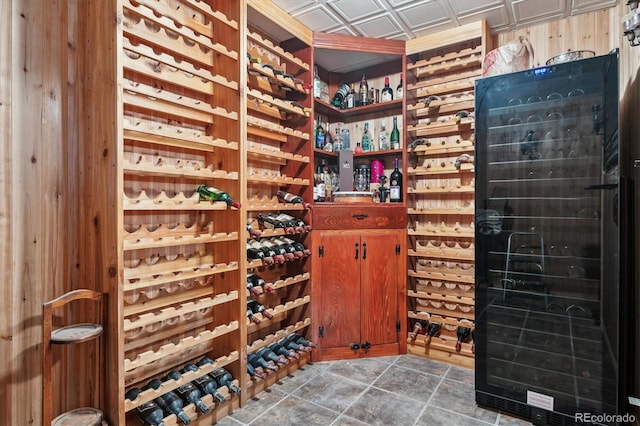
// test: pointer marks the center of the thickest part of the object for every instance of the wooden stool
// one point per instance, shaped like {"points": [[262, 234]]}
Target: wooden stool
{"points": [[70, 334]]}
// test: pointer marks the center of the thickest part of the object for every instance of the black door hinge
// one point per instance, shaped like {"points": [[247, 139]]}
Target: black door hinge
{"points": [[397, 249], [398, 326], [321, 331], [321, 251]]}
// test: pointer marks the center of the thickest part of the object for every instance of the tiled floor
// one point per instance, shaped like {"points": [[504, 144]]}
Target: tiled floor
{"points": [[400, 390]]}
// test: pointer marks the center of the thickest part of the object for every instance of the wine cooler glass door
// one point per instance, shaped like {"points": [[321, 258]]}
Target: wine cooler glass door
{"points": [[546, 236]]}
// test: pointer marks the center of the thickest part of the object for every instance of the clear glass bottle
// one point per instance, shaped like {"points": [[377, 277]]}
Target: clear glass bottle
{"points": [[366, 138], [383, 139], [351, 97], [363, 92], [317, 84]]}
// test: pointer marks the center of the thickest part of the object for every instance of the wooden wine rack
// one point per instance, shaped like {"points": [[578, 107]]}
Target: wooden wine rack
{"points": [[278, 152], [441, 70]]}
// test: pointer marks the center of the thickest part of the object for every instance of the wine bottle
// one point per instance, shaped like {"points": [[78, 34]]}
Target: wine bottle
{"points": [[281, 254], [258, 253], [363, 92], [395, 184], [418, 328], [257, 361], [169, 402], [268, 355], [301, 340], [320, 135], [298, 246], [278, 349], [258, 281], [254, 290], [290, 344], [253, 232], [258, 308], [300, 225], [255, 373], [290, 251], [254, 319], [188, 392], [287, 197], [269, 221], [213, 194], [366, 138], [387, 93], [432, 330], [268, 254], [399, 89], [395, 135], [206, 383], [463, 334], [149, 412], [221, 375]]}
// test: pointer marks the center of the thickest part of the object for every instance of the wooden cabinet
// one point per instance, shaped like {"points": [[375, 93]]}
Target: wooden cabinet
{"points": [[359, 285]]}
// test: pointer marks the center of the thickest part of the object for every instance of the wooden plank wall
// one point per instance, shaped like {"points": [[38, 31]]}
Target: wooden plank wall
{"points": [[39, 170]]}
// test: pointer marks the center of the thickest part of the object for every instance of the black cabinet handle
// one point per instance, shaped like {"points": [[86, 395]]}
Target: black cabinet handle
{"points": [[364, 251], [360, 216], [355, 346], [365, 345], [357, 249]]}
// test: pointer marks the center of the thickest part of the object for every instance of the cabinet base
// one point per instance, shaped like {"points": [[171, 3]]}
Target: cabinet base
{"points": [[331, 354], [441, 355]]}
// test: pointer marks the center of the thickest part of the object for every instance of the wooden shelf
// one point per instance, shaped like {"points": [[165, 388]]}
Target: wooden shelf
{"points": [[324, 108]]}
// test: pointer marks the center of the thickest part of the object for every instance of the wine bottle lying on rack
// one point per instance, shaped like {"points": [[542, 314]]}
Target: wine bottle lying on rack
{"points": [[268, 355], [170, 402], [209, 193], [463, 334], [221, 375], [206, 383], [258, 308], [282, 255], [298, 246], [278, 349], [300, 225], [250, 314], [257, 281], [149, 412], [253, 233], [257, 361], [270, 254], [419, 327], [255, 373], [289, 250], [432, 330], [256, 252], [295, 337], [289, 198], [290, 344], [188, 392], [270, 221]]}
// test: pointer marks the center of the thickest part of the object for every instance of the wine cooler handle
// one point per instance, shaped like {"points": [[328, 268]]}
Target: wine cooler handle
{"points": [[364, 251], [357, 250]]}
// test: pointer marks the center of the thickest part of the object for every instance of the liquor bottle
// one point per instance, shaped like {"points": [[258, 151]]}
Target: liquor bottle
{"points": [[188, 392], [253, 232], [258, 281], [301, 340], [339, 98], [463, 334], [351, 97], [258, 308], [363, 92], [206, 383], [257, 361], [395, 135], [383, 139], [287, 197], [268, 355], [213, 194], [319, 189], [399, 89], [317, 84], [170, 402], [255, 373], [387, 93], [337, 140], [432, 330], [281, 254], [418, 328], [366, 138], [149, 412], [358, 149], [319, 134], [278, 349], [221, 375], [395, 184]]}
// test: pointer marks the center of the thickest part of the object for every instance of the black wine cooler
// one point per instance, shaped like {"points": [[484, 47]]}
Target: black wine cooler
{"points": [[553, 294]]}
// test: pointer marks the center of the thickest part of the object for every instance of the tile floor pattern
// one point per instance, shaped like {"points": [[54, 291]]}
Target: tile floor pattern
{"points": [[399, 390]]}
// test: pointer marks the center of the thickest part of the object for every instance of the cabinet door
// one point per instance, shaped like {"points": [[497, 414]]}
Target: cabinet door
{"points": [[339, 279], [380, 274]]}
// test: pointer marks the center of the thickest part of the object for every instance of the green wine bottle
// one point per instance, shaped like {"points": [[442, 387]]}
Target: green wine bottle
{"points": [[214, 194]]}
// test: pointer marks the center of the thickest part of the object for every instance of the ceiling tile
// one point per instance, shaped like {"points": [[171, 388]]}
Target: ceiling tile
{"points": [[526, 11], [343, 30], [318, 18], [465, 7], [497, 18], [379, 26], [355, 10], [294, 5], [423, 14], [396, 3], [582, 6]]}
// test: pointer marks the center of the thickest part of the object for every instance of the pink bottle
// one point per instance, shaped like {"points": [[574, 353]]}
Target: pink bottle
{"points": [[377, 170]]}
